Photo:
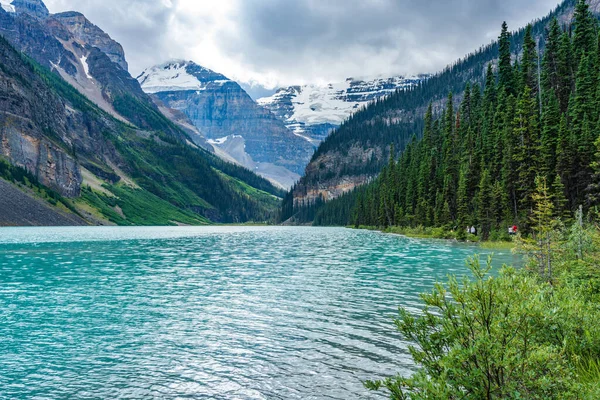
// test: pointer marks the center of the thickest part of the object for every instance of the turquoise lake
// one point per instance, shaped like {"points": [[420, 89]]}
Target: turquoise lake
{"points": [[209, 312]]}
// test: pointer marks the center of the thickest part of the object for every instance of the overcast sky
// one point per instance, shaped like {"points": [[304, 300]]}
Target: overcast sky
{"points": [[284, 42]]}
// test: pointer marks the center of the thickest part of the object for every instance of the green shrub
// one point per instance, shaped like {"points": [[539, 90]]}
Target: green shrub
{"points": [[505, 337]]}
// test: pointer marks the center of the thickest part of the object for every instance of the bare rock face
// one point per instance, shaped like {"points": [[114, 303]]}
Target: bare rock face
{"points": [[36, 8], [29, 34], [49, 163], [89, 34], [225, 109]]}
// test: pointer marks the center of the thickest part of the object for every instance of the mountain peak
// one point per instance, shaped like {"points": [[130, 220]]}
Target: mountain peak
{"points": [[36, 8], [88, 33], [178, 75]]}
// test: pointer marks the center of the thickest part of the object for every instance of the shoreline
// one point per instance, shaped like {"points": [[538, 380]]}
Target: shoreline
{"points": [[439, 234]]}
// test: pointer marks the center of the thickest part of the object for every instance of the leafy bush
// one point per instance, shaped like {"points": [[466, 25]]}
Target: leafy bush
{"points": [[505, 337]]}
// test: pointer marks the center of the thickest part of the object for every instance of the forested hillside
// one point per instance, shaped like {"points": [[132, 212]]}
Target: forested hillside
{"points": [[355, 153], [78, 132], [534, 124]]}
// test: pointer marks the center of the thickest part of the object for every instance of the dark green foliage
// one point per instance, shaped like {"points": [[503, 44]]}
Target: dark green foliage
{"points": [[584, 37], [341, 210], [511, 336], [144, 115], [506, 78], [244, 175], [187, 178]]}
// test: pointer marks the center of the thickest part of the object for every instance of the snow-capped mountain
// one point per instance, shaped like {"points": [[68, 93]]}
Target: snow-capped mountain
{"points": [[312, 111], [237, 127], [179, 76]]}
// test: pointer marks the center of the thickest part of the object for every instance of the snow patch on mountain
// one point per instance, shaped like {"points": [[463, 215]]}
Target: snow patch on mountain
{"points": [[314, 104], [222, 140], [86, 67], [7, 6], [178, 76]]}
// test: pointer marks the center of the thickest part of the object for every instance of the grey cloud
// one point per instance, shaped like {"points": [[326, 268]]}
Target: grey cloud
{"points": [[329, 37], [308, 40]]}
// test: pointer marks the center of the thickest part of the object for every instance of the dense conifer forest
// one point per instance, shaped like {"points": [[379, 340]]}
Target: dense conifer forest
{"points": [[534, 118]]}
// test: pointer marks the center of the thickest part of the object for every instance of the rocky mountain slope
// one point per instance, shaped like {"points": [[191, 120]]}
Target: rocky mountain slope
{"points": [[20, 208], [313, 111], [237, 127], [73, 118], [355, 153]]}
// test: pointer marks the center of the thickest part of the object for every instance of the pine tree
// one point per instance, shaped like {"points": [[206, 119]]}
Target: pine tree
{"points": [[584, 36], [551, 77], [561, 204], [593, 189], [497, 203], [564, 153], [526, 154], [566, 72], [462, 201], [584, 101], [543, 226], [529, 63], [506, 80], [484, 203], [550, 133]]}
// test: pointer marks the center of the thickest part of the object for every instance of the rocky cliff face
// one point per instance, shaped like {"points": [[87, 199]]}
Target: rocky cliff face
{"points": [[221, 109], [87, 33], [86, 57], [313, 111], [30, 35], [40, 132], [183, 122]]}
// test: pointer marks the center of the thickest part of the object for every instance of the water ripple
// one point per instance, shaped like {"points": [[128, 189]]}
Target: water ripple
{"points": [[208, 313]]}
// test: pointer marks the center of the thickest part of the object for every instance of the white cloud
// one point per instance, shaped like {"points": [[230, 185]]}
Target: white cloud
{"points": [[283, 42]]}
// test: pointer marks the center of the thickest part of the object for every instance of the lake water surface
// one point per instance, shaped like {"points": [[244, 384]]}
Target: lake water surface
{"points": [[209, 312]]}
